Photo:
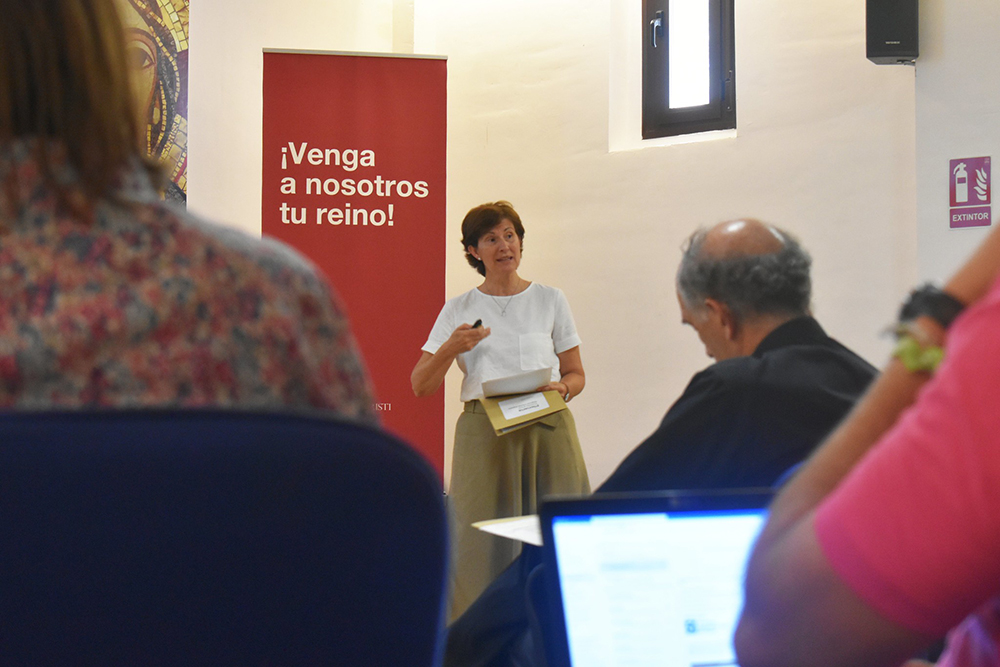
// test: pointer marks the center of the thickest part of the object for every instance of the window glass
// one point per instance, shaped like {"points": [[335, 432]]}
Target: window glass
{"points": [[688, 46], [688, 67]]}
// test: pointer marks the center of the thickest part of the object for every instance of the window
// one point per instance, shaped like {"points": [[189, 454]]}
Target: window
{"points": [[688, 67]]}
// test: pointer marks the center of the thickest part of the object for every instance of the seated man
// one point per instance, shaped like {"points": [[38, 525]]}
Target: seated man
{"points": [[890, 535], [778, 386]]}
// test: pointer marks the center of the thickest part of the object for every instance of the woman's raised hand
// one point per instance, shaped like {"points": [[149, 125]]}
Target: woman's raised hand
{"points": [[430, 370], [466, 337]]}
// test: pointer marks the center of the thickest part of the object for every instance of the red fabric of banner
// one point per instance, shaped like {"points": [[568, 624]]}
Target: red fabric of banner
{"points": [[354, 151]]}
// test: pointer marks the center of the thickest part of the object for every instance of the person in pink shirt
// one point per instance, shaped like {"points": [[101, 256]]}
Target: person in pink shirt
{"points": [[889, 535]]}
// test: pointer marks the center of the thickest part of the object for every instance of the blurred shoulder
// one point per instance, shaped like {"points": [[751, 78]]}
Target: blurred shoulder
{"points": [[209, 243]]}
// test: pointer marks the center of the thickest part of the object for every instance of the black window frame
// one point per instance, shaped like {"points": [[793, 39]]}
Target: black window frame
{"points": [[658, 119]]}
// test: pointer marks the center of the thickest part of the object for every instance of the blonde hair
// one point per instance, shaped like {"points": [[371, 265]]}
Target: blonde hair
{"points": [[64, 80]]}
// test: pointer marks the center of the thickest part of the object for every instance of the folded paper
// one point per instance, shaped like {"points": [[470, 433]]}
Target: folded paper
{"points": [[509, 413]]}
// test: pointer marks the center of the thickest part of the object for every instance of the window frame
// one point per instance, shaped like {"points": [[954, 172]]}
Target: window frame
{"points": [[658, 119]]}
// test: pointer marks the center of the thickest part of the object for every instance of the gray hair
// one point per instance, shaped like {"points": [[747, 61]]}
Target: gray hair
{"points": [[775, 283]]}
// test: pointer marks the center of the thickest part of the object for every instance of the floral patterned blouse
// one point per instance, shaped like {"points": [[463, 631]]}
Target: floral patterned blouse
{"points": [[145, 305]]}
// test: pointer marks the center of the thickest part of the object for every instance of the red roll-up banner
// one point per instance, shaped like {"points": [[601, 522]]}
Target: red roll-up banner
{"points": [[354, 178]]}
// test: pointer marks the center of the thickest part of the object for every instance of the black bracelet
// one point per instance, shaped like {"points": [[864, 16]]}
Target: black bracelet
{"points": [[934, 303]]}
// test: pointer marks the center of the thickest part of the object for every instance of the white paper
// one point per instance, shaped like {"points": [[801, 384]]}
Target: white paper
{"points": [[522, 528], [518, 384], [520, 406]]}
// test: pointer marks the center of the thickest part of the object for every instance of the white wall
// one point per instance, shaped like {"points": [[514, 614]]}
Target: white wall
{"points": [[958, 115], [825, 147]]}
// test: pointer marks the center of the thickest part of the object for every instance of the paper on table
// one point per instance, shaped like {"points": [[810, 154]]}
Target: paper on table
{"points": [[523, 405], [518, 384], [522, 528]]}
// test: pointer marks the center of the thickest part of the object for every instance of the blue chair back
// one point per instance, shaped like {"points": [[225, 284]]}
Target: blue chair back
{"points": [[216, 537]]}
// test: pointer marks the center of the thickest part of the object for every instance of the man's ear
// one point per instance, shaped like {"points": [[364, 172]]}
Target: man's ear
{"points": [[724, 317]]}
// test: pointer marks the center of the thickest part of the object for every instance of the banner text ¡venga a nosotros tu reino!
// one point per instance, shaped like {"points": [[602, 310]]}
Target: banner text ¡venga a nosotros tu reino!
{"points": [[348, 159]]}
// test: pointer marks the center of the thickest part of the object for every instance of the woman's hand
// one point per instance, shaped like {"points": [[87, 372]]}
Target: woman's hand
{"points": [[573, 379], [430, 370], [561, 387], [464, 338]]}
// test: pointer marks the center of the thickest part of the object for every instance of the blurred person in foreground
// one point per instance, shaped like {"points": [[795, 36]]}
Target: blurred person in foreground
{"points": [[780, 384], [889, 535], [111, 297]]}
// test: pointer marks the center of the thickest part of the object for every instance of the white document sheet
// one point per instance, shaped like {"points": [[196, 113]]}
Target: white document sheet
{"points": [[517, 384], [522, 528], [520, 406]]}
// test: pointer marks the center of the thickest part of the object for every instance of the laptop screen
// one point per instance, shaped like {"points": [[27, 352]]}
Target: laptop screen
{"points": [[650, 580]]}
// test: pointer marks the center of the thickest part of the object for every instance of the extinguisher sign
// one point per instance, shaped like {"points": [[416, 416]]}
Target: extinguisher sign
{"points": [[970, 192]]}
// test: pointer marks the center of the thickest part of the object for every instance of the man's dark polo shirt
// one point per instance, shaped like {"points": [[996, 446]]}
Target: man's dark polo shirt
{"points": [[745, 421]]}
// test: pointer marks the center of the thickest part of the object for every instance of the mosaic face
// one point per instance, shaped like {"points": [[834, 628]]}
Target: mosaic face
{"points": [[157, 32]]}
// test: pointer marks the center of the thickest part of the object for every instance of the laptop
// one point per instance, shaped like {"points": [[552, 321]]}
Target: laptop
{"points": [[647, 579]]}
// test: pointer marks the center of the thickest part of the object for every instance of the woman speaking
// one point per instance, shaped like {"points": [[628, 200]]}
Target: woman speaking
{"points": [[506, 326]]}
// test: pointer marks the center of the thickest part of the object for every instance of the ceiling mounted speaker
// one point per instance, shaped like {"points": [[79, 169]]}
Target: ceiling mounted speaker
{"points": [[891, 29]]}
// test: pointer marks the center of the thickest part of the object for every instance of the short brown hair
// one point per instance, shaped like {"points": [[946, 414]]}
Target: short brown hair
{"points": [[482, 219], [64, 81]]}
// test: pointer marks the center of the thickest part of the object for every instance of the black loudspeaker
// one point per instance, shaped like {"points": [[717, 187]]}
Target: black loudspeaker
{"points": [[891, 27]]}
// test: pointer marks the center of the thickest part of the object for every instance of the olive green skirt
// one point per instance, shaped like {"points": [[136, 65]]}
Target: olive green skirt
{"points": [[502, 476]]}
